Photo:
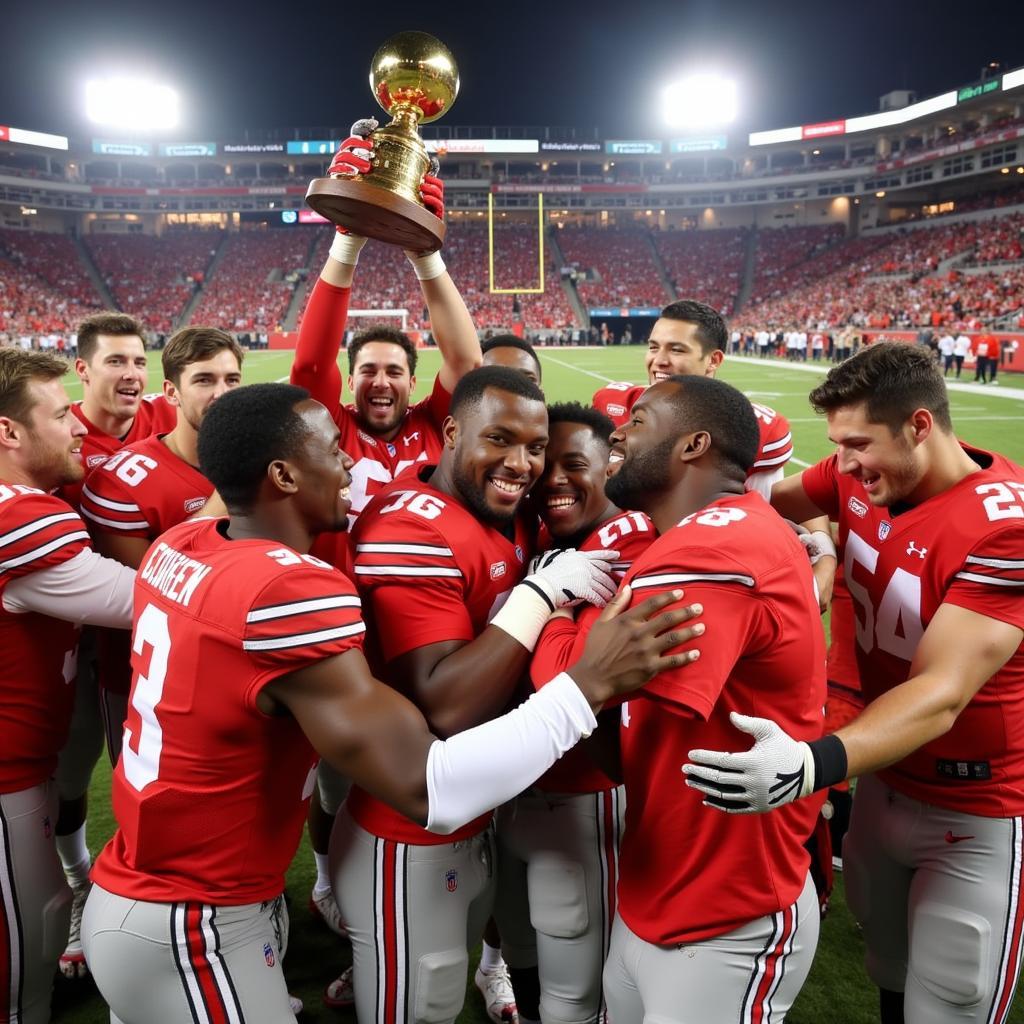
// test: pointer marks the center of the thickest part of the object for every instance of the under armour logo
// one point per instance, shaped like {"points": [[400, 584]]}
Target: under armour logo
{"points": [[913, 549], [414, 436]]}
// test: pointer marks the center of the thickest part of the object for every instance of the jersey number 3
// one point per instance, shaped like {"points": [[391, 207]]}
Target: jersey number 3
{"points": [[142, 762]]}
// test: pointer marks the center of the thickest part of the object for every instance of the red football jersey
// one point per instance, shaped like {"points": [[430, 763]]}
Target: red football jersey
{"points": [[428, 571], [155, 416], [842, 649], [776, 448], [37, 671], [141, 491], [963, 547], [210, 793], [630, 534], [689, 872]]}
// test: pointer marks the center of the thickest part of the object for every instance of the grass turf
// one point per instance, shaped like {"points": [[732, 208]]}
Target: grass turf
{"points": [[838, 990]]}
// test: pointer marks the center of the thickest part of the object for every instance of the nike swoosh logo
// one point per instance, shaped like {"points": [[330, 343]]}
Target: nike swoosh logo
{"points": [[950, 838]]}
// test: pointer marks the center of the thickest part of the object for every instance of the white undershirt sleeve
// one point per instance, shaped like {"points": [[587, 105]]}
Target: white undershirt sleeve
{"points": [[474, 771], [764, 480], [88, 589]]}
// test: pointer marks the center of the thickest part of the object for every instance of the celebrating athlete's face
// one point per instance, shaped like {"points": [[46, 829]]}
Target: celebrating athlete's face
{"points": [[324, 471], [646, 443], [674, 348], [570, 493], [499, 453], [887, 465], [201, 384], [53, 436], [114, 379], [381, 385], [515, 359]]}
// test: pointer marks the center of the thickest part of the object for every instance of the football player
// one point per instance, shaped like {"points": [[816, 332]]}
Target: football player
{"points": [[247, 665], [51, 582], [932, 532], [714, 923]]}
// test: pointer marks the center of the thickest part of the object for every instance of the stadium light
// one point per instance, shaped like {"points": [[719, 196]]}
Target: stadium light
{"points": [[132, 104], [700, 101]]}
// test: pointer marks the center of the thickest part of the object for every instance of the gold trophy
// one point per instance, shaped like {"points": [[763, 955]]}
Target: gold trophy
{"points": [[414, 78]]}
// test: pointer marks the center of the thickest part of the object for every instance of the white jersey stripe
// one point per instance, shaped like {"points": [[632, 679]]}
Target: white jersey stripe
{"points": [[35, 526], [405, 570], [994, 581], [114, 506], [44, 549], [316, 604], [995, 563], [762, 463], [139, 524], [403, 549], [280, 643], [775, 445], [669, 579]]}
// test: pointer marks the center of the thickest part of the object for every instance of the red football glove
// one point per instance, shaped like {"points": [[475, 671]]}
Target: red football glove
{"points": [[432, 194], [353, 157]]}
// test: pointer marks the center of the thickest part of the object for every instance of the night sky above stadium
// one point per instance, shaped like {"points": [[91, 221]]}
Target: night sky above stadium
{"points": [[523, 62]]}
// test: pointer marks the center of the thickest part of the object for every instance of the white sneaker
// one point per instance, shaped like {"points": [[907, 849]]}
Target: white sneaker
{"points": [[326, 909], [72, 961], [499, 999]]}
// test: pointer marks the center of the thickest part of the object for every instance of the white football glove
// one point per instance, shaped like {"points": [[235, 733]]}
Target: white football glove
{"points": [[570, 577], [818, 545], [776, 770]]}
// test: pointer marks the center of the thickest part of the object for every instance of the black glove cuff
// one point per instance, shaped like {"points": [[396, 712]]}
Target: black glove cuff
{"points": [[830, 762]]}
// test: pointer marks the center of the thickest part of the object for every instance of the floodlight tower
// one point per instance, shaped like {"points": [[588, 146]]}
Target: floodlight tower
{"points": [[700, 101], [130, 104]]}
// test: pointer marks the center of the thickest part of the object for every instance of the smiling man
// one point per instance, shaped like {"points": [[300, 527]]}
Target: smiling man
{"points": [[440, 558], [690, 338], [51, 582], [932, 532]]}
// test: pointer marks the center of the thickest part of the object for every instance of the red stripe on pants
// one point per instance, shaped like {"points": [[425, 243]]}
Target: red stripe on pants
{"points": [[771, 968], [195, 940]]}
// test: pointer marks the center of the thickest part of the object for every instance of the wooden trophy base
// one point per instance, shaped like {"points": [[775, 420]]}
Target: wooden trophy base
{"points": [[376, 213]]}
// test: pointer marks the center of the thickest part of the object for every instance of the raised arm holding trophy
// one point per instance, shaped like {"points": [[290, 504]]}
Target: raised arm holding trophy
{"points": [[414, 78]]}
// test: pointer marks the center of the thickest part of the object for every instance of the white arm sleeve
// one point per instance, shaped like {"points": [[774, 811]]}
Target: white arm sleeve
{"points": [[764, 480], [88, 589], [474, 771]]}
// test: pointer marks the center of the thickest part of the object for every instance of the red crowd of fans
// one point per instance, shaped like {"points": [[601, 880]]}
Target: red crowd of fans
{"points": [[153, 278], [705, 263], [624, 260]]}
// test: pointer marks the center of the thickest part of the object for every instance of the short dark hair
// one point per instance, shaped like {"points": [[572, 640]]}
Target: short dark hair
{"points": [[711, 330], [193, 345], [892, 380], [585, 415], [470, 390], [705, 403], [511, 341], [388, 334], [245, 430], [18, 369], [118, 325]]}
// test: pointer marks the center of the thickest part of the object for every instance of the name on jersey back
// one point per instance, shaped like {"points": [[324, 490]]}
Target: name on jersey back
{"points": [[175, 575]]}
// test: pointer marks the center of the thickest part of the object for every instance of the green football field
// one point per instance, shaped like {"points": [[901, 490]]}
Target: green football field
{"points": [[837, 991]]}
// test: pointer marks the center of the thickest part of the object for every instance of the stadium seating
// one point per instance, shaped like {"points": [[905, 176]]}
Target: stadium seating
{"points": [[623, 259], [704, 265], [250, 289], [153, 278]]}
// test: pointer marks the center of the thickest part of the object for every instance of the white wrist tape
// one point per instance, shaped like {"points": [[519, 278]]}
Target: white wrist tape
{"points": [[825, 547], [428, 266], [479, 769], [523, 615], [345, 248]]}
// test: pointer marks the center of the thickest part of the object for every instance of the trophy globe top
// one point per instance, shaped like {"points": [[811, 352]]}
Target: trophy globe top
{"points": [[414, 72]]}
